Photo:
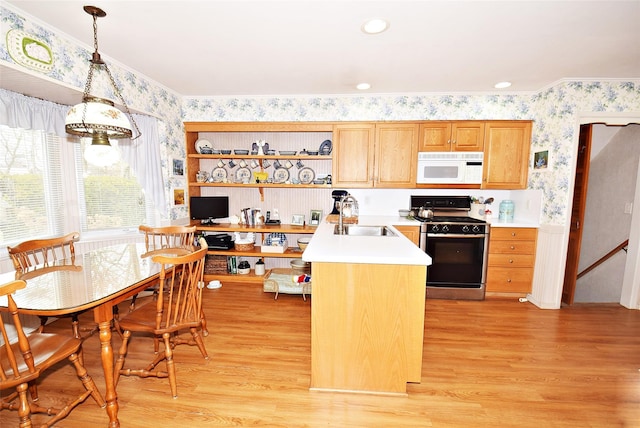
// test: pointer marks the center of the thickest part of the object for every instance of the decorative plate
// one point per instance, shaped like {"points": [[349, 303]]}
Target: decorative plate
{"points": [[219, 174], [325, 147], [204, 144], [306, 175], [280, 175], [29, 51], [243, 174]]}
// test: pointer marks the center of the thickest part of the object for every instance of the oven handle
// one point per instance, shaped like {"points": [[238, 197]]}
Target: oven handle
{"points": [[455, 235]]}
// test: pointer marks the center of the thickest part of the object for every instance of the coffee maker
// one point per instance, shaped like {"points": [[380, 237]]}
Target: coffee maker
{"points": [[337, 195]]}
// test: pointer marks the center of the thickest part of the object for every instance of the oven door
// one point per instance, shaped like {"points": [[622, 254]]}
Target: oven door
{"points": [[458, 261]]}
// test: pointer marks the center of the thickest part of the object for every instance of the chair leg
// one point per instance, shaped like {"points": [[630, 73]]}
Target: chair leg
{"points": [[199, 342], [87, 380], [171, 365], [24, 410], [121, 354], [43, 322], [203, 320], [132, 305]]}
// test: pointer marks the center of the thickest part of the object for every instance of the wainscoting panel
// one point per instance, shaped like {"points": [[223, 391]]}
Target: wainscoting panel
{"points": [[548, 276]]}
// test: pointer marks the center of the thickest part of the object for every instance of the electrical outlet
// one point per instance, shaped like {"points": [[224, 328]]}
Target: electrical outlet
{"points": [[628, 207]]}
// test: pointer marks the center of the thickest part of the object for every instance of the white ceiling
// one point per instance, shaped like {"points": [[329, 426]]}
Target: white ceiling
{"points": [[219, 48]]}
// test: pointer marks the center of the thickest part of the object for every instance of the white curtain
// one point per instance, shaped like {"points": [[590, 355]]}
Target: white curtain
{"points": [[142, 154]]}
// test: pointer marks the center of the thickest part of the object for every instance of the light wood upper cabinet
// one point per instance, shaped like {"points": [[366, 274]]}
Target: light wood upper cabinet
{"points": [[375, 155], [506, 154], [396, 155], [353, 154], [457, 136]]}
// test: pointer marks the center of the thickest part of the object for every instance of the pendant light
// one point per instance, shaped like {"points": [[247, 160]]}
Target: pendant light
{"points": [[98, 118]]}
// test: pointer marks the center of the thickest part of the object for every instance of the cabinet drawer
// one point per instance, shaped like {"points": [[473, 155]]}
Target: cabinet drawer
{"points": [[512, 260], [509, 233], [511, 247], [509, 279]]}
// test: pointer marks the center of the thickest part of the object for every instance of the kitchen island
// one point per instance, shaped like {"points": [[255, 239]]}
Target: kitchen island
{"points": [[367, 310]]}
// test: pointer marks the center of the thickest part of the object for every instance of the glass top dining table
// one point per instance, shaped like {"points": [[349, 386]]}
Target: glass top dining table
{"points": [[98, 279]]}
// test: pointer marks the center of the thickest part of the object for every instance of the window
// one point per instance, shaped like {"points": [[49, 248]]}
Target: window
{"points": [[112, 196], [31, 199], [47, 188]]}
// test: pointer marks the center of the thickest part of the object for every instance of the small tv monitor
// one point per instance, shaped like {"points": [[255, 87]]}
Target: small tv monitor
{"points": [[209, 207]]}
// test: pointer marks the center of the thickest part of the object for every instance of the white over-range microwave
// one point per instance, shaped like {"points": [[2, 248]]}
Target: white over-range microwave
{"points": [[450, 167]]}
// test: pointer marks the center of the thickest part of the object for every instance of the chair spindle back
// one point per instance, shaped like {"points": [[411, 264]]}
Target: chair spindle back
{"points": [[36, 253]]}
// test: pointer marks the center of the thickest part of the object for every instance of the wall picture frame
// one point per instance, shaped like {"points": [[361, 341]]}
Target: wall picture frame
{"points": [[177, 197], [297, 220], [177, 168], [315, 217], [541, 160]]}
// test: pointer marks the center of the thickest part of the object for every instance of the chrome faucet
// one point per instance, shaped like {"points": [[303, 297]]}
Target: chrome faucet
{"points": [[343, 199]]}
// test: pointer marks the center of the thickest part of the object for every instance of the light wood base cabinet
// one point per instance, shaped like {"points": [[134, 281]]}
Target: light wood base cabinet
{"points": [[367, 326], [411, 232], [511, 259]]}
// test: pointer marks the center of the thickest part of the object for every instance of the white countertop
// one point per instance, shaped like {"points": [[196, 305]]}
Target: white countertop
{"points": [[327, 247]]}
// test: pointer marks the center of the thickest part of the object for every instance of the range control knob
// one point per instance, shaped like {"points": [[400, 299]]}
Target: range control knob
{"points": [[435, 228], [445, 228], [465, 228], [476, 229]]}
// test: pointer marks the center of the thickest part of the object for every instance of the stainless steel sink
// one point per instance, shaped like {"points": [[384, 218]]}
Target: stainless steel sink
{"points": [[357, 230]]}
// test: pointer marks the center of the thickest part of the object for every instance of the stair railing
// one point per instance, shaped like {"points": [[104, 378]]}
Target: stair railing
{"points": [[604, 258]]}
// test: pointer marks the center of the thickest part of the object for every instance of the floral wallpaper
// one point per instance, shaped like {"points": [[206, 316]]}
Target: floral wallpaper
{"points": [[555, 110]]}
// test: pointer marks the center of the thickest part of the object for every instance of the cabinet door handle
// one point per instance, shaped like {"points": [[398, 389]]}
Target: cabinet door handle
{"points": [[509, 280], [513, 248], [510, 260]]}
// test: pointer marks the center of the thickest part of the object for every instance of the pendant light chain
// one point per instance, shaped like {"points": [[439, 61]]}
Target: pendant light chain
{"points": [[96, 61]]}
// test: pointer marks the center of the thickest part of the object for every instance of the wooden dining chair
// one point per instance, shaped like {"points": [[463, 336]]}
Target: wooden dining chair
{"points": [[27, 357], [168, 239], [178, 308], [44, 254], [165, 240]]}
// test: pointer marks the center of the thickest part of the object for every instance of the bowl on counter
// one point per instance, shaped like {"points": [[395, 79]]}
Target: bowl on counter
{"points": [[403, 213], [303, 242], [299, 265]]}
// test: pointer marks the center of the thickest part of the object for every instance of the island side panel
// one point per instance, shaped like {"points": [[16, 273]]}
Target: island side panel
{"points": [[367, 326]]}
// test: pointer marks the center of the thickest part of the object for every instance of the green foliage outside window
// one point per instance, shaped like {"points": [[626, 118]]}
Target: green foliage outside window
{"points": [[113, 202]]}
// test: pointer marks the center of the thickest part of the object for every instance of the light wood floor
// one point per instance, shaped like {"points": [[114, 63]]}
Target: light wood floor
{"points": [[497, 363]]}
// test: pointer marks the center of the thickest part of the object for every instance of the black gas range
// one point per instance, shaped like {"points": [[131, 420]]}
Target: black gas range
{"points": [[458, 246]]}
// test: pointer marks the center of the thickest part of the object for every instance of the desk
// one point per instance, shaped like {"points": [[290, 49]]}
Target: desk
{"points": [[98, 280]]}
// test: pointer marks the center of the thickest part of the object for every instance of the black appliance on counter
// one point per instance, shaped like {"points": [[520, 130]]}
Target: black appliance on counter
{"points": [[458, 246], [337, 195]]}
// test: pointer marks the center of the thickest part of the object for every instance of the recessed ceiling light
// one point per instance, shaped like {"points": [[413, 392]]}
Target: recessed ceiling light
{"points": [[502, 85], [363, 86], [375, 26]]}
